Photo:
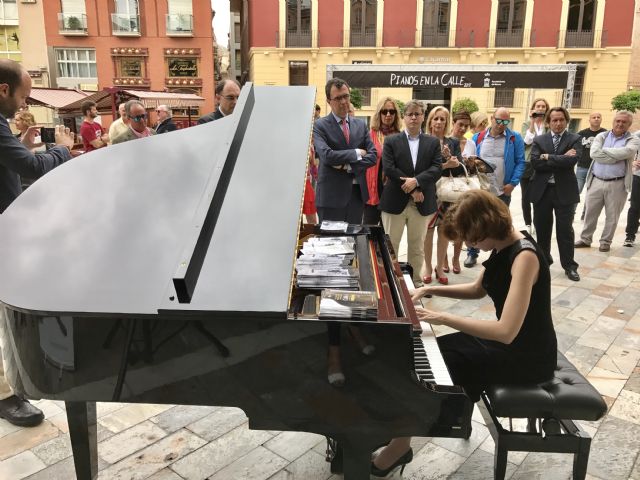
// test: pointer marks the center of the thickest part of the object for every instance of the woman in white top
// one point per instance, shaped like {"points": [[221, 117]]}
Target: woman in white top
{"points": [[531, 129]]}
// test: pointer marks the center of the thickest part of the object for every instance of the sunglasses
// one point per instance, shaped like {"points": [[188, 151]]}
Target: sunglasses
{"points": [[384, 111], [499, 121], [139, 118]]}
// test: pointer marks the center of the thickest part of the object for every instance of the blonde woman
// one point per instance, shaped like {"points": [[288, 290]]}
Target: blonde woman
{"points": [[438, 126], [386, 121], [23, 120]]}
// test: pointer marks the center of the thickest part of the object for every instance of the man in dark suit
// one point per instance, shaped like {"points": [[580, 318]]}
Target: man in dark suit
{"points": [[227, 93], [554, 187], [165, 122], [345, 150], [16, 159], [412, 163]]}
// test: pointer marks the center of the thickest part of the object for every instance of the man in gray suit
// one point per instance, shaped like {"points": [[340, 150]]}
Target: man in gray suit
{"points": [[345, 150]]}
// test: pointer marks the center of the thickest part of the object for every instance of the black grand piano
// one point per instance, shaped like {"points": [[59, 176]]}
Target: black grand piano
{"points": [[162, 271]]}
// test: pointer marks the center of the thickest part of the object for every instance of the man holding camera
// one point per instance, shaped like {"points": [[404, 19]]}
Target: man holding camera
{"points": [[16, 159]]}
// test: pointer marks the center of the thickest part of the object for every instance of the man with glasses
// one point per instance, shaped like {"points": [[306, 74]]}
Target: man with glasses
{"points": [[503, 149], [345, 150], [227, 93], [137, 115], [165, 122]]}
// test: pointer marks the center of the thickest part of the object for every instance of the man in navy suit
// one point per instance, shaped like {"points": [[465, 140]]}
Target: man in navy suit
{"points": [[345, 150], [553, 189]]}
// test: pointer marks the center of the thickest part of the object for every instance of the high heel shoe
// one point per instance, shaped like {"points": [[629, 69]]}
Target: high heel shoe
{"points": [[443, 280], [427, 279], [403, 460]]}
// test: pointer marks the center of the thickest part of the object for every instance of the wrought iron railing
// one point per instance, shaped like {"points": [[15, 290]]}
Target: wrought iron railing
{"points": [[179, 24], [125, 24], [298, 38], [578, 39], [505, 37], [360, 38], [435, 37]]}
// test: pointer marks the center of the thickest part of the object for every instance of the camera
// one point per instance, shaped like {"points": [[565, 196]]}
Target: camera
{"points": [[537, 114], [48, 135]]}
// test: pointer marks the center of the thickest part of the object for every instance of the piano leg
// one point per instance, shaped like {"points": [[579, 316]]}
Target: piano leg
{"points": [[356, 462], [81, 417]]}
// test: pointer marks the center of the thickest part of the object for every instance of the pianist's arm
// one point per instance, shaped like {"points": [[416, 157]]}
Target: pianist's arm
{"points": [[524, 274]]}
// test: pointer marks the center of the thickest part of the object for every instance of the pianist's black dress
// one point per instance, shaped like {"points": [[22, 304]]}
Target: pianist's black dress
{"points": [[531, 357]]}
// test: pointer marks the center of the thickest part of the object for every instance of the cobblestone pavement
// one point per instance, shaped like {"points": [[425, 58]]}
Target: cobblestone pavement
{"points": [[598, 326]]}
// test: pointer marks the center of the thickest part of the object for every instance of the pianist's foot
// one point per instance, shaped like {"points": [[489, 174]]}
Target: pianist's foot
{"points": [[20, 412], [334, 367]]}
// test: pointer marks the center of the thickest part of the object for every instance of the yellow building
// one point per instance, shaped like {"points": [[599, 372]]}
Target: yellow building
{"points": [[291, 42]]}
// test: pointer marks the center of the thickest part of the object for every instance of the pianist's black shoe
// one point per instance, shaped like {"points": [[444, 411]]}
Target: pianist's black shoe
{"points": [[403, 460], [20, 412]]}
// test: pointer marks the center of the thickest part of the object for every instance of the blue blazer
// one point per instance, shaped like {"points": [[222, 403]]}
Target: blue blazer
{"points": [[333, 188]]}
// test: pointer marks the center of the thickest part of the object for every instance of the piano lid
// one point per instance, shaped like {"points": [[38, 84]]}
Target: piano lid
{"points": [[106, 232]]}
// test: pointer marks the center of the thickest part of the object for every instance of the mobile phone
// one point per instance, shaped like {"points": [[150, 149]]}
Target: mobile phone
{"points": [[48, 134], [538, 114]]}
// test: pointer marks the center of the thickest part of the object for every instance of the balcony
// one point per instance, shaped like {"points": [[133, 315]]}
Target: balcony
{"points": [[126, 25], [580, 99], [72, 24], [506, 97], [510, 38], [578, 39], [362, 38], [298, 39], [433, 37], [9, 14], [179, 24]]}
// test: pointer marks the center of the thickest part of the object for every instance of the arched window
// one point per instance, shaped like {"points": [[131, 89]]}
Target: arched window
{"points": [[435, 23], [363, 23], [510, 24], [580, 22], [298, 23]]}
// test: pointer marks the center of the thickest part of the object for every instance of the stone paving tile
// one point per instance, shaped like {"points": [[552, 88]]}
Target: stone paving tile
{"points": [[221, 452], [432, 462], [614, 449], [545, 466], [584, 358], [131, 415], [606, 382], [153, 458], [180, 416], [48, 408], [20, 466], [54, 450], [218, 423], [309, 465], [565, 342], [479, 466], [26, 438], [129, 441], [602, 332], [259, 464], [63, 470], [635, 473], [461, 446], [6, 428], [620, 360], [165, 474], [514, 457], [105, 408], [290, 445], [633, 384], [627, 407], [571, 297]]}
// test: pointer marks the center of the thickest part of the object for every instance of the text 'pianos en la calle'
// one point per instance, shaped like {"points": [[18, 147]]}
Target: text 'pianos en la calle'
{"points": [[161, 271]]}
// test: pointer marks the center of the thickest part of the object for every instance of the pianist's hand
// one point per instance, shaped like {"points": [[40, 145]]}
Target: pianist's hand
{"points": [[419, 293], [429, 316]]}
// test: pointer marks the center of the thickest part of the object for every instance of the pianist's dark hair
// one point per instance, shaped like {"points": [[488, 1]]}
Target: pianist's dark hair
{"points": [[477, 215], [11, 74], [334, 82], [220, 85]]}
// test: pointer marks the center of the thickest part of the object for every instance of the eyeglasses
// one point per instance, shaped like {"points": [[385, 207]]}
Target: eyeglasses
{"points": [[341, 98], [413, 114], [231, 98], [392, 111], [499, 121], [139, 118]]}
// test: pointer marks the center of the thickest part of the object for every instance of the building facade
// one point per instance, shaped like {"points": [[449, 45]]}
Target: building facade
{"points": [[291, 42], [9, 30], [133, 44]]}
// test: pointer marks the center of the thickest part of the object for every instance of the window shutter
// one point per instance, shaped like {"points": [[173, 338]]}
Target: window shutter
{"points": [[73, 6], [180, 7]]}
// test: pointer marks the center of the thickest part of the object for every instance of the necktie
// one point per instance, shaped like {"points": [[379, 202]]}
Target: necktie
{"points": [[556, 142], [345, 130]]}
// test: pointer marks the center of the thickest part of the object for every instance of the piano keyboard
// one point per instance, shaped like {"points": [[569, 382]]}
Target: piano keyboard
{"points": [[429, 364]]}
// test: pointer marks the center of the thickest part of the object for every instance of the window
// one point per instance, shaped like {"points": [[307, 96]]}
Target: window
{"points": [[504, 97], [73, 6], [363, 23], [581, 15], [510, 25], [125, 20], [579, 95], [298, 73], [435, 23], [180, 16], [298, 23], [76, 63], [9, 11]]}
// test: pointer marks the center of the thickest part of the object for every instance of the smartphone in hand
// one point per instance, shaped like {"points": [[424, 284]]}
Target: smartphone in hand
{"points": [[47, 135]]}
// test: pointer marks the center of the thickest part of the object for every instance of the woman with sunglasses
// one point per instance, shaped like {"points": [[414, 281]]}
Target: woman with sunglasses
{"points": [[438, 126], [386, 121]]}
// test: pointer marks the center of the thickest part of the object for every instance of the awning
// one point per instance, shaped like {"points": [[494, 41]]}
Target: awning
{"points": [[54, 97], [149, 99]]}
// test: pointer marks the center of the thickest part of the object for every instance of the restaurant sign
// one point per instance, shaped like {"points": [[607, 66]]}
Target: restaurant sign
{"points": [[183, 67]]}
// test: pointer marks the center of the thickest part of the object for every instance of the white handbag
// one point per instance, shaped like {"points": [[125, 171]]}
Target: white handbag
{"points": [[450, 188]]}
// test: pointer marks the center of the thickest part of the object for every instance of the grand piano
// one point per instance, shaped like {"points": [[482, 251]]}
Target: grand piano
{"points": [[162, 271]]}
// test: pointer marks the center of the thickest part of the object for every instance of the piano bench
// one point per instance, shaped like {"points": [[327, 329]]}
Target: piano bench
{"points": [[551, 408]]}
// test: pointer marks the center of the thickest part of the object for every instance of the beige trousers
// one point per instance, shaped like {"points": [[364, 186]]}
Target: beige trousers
{"points": [[610, 195], [416, 230]]}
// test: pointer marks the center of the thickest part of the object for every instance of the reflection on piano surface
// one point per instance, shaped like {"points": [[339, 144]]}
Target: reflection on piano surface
{"points": [[93, 311]]}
